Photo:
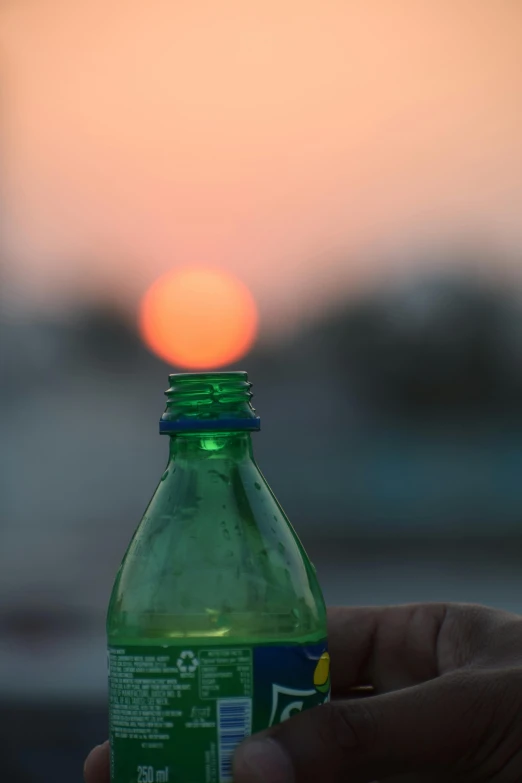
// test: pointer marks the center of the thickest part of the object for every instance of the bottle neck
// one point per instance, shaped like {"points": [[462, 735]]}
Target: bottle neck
{"points": [[235, 446]]}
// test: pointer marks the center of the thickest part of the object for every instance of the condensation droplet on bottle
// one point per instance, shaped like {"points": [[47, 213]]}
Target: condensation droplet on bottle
{"points": [[281, 547], [257, 485], [164, 475], [226, 535]]}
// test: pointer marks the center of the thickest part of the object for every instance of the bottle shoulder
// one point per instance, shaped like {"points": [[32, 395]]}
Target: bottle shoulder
{"points": [[215, 551]]}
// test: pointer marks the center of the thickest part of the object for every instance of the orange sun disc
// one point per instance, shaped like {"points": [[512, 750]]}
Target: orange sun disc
{"points": [[198, 318]]}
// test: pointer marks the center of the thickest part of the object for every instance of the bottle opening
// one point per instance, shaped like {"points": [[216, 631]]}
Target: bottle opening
{"points": [[209, 402]]}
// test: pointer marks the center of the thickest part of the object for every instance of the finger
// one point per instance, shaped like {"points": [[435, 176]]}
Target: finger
{"points": [[399, 646], [97, 765], [386, 647], [480, 636], [427, 727]]}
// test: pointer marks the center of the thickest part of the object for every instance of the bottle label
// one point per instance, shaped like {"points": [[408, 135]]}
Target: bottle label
{"points": [[178, 713]]}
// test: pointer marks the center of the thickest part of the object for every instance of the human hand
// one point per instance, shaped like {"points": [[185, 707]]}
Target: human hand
{"points": [[445, 705], [97, 765]]}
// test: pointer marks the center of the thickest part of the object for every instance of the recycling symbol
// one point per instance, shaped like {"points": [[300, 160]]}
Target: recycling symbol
{"points": [[187, 662]]}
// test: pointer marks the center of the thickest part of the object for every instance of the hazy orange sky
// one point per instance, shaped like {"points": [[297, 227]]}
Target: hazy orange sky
{"points": [[289, 140]]}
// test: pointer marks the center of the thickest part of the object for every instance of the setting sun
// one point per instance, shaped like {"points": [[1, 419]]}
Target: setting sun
{"points": [[198, 318]]}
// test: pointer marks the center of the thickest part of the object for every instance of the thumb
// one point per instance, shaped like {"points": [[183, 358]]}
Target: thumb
{"points": [[433, 726]]}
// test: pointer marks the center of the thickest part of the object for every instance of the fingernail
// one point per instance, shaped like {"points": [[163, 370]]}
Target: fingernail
{"points": [[262, 761]]}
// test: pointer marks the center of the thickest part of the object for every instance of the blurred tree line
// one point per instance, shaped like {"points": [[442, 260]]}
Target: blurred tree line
{"points": [[440, 346], [447, 345]]}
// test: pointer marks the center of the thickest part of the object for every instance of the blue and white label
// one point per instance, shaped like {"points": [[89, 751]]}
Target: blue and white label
{"points": [[287, 680]]}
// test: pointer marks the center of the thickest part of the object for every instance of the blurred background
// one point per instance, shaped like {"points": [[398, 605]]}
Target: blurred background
{"points": [[326, 193]]}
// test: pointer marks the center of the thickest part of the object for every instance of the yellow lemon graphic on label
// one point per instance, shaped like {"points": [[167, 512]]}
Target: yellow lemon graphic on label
{"points": [[322, 673]]}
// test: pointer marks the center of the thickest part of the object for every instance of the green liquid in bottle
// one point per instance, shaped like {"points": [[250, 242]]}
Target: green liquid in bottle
{"points": [[216, 624]]}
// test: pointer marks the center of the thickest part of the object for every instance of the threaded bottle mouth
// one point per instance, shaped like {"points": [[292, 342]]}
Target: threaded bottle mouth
{"points": [[209, 401]]}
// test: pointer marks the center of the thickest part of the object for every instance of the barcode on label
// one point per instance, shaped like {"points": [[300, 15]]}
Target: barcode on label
{"points": [[234, 724]]}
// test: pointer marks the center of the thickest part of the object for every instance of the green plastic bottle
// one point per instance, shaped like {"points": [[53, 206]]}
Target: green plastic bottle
{"points": [[216, 624]]}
